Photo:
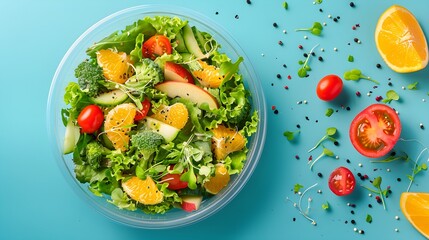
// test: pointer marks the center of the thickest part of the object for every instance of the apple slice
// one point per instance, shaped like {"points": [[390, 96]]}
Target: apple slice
{"points": [[188, 91], [191, 203], [175, 72]]}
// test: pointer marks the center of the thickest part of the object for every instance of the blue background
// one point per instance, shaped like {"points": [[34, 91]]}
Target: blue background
{"points": [[36, 202]]}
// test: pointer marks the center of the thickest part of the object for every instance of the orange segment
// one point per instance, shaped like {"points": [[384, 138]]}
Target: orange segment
{"points": [[218, 181], [225, 141], [415, 207], [209, 75], [117, 66], [401, 41], [117, 124], [175, 115], [143, 191]]}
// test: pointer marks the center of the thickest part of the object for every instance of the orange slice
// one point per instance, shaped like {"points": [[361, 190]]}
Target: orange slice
{"points": [[175, 115], [209, 75], [225, 141], [415, 207], [143, 191], [401, 41], [118, 124], [218, 181], [117, 66]]}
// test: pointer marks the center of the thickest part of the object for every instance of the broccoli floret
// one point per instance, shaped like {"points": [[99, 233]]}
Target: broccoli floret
{"points": [[148, 73], [88, 75], [95, 153], [146, 142]]}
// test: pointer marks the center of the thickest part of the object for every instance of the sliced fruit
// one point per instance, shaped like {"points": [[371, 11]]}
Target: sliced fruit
{"points": [[401, 41], [71, 137], [143, 191], [225, 141], [111, 98], [188, 91], [117, 124], [191, 42], [168, 132], [117, 66], [218, 181], [415, 207], [175, 72], [175, 115], [191, 203], [208, 75]]}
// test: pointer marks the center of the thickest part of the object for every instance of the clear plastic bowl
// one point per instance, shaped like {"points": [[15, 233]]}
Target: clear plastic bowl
{"points": [[65, 74]]}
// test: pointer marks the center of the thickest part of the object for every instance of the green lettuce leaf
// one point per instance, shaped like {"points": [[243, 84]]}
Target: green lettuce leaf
{"points": [[125, 40], [167, 26], [121, 200]]}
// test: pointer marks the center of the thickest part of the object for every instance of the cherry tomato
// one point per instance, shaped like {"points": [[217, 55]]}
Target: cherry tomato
{"points": [[375, 130], [342, 181], [90, 118], [174, 182], [156, 46], [329, 87], [143, 112]]}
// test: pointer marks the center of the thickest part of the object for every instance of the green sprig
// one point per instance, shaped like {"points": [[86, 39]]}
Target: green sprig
{"points": [[316, 29], [391, 95], [290, 136], [326, 152], [302, 72], [330, 132]]}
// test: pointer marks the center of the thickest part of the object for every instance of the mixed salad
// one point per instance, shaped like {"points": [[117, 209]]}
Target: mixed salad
{"points": [[158, 117]]}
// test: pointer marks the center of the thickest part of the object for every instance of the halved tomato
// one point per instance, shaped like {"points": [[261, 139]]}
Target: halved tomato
{"points": [[342, 181], [375, 130], [156, 46]]}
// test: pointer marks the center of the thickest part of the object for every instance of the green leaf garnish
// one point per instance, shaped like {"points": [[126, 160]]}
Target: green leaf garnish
{"points": [[356, 75], [390, 96], [316, 29], [297, 187], [412, 86], [330, 132], [302, 71], [318, 1], [285, 5], [325, 206], [351, 58], [290, 135], [329, 112], [326, 152], [368, 218]]}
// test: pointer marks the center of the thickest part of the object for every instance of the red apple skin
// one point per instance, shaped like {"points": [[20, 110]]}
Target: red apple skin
{"points": [[188, 91], [175, 72], [191, 203]]}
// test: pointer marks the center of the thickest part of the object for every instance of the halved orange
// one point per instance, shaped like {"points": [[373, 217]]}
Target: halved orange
{"points": [[143, 191], [208, 75], [225, 141], [415, 207], [117, 66], [401, 41], [117, 124], [175, 115], [218, 181]]}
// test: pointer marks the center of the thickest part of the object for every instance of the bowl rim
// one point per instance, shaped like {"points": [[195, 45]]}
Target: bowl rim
{"points": [[254, 154]]}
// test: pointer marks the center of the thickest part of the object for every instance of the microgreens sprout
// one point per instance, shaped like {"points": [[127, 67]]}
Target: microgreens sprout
{"points": [[297, 187], [330, 132], [318, 1], [382, 193], [351, 58], [326, 152], [298, 205], [302, 72], [412, 86], [325, 206], [368, 218], [290, 135], [356, 75], [316, 29], [392, 159], [391, 95]]}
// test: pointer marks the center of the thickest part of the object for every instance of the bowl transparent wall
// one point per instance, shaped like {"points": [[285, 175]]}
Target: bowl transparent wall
{"points": [[65, 74]]}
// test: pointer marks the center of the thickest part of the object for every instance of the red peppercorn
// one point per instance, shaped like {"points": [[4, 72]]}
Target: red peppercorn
{"points": [[273, 107], [286, 87], [358, 94], [289, 77], [300, 47], [378, 98]]}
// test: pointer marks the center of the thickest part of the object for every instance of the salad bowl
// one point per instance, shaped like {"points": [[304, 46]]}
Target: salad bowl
{"points": [[65, 74]]}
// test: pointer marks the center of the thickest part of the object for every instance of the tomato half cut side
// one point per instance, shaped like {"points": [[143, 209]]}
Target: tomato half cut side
{"points": [[342, 181], [156, 46], [375, 130], [140, 114]]}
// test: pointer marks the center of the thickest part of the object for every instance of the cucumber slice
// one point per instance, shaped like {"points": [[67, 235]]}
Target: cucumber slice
{"points": [[168, 132], [193, 65], [191, 42], [71, 137], [181, 47], [111, 98], [200, 40]]}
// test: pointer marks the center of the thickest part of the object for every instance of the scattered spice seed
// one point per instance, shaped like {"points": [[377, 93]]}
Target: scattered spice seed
{"points": [[355, 40], [370, 205], [378, 65], [279, 76], [289, 77], [358, 93], [248, 2], [237, 17], [361, 231], [300, 47], [286, 87], [276, 111], [320, 10], [335, 19], [421, 126], [378, 98], [354, 28], [353, 221], [320, 58], [352, 4], [348, 160], [296, 157], [284, 65], [319, 174], [275, 25], [352, 212], [280, 43], [216, 13], [298, 126]]}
